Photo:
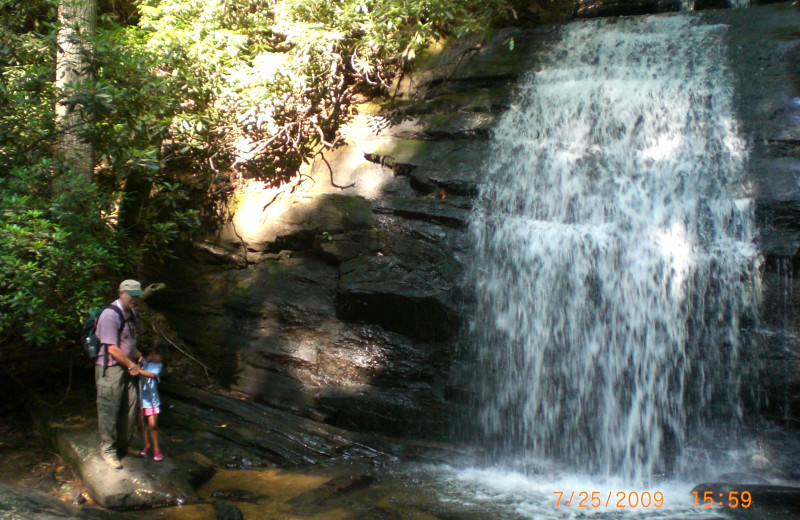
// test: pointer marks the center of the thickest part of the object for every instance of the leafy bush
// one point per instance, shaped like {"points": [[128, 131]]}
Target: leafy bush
{"points": [[51, 253]]}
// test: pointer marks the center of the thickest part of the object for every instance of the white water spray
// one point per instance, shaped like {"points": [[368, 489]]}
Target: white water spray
{"points": [[615, 262]]}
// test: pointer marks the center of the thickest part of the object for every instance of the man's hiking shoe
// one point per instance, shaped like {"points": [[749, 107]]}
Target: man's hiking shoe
{"points": [[157, 455], [112, 461]]}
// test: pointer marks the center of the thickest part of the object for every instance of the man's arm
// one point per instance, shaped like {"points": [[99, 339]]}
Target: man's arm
{"points": [[116, 352]]}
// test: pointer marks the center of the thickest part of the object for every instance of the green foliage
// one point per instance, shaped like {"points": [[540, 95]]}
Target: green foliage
{"points": [[27, 69], [51, 253], [62, 251], [138, 106]]}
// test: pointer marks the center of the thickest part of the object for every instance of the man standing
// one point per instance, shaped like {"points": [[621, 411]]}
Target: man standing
{"points": [[115, 372]]}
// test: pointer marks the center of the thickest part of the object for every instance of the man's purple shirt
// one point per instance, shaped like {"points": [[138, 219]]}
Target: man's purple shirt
{"points": [[107, 328]]}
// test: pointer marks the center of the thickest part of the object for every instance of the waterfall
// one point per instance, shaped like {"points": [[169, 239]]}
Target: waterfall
{"points": [[614, 264]]}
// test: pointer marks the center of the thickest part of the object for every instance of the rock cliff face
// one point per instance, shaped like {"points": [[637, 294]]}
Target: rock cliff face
{"points": [[341, 297], [767, 58], [345, 304]]}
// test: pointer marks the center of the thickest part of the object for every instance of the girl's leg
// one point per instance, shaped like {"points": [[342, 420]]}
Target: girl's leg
{"points": [[152, 421], [140, 426]]}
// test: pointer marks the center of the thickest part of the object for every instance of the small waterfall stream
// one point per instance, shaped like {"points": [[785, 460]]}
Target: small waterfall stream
{"points": [[615, 264]]}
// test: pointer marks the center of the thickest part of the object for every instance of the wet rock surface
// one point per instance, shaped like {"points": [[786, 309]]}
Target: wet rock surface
{"points": [[766, 44], [227, 511], [314, 500], [18, 503], [270, 436]]}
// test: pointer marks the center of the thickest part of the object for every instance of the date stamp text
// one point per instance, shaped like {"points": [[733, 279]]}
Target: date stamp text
{"points": [[612, 499]]}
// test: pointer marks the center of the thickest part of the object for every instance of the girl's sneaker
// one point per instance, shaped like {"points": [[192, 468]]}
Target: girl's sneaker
{"points": [[157, 455], [144, 451]]}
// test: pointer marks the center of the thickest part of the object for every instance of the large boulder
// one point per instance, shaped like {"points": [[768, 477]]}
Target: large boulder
{"points": [[140, 484]]}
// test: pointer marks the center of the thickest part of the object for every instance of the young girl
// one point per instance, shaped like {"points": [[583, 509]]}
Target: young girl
{"points": [[151, 403]]}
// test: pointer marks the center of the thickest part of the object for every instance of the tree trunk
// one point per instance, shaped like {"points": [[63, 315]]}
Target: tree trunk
{"points": [[77, 20], [137, 192]]}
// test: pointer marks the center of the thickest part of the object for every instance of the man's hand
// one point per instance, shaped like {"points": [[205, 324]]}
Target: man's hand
{"points": [[134, 370]]}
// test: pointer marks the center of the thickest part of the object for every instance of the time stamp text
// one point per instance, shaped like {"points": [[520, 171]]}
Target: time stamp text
{"points": [[647, 499]]}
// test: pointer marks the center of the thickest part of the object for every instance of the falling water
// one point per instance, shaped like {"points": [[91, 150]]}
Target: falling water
{"points": [[615, 264]]}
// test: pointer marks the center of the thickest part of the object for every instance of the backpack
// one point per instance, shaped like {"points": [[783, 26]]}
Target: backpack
{"points": [[89, 340]]}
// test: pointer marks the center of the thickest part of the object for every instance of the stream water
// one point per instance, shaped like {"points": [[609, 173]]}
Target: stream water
{"points": [[615, 265]]}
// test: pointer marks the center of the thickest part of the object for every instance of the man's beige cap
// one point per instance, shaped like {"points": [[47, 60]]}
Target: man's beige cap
{"points": [[131, 287]]}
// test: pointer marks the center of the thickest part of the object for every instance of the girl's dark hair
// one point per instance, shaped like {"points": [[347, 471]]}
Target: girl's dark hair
{"points": [[156, 347]]}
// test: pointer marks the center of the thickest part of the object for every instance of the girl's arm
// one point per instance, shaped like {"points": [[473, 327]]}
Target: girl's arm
{"points": [[155, 370]]}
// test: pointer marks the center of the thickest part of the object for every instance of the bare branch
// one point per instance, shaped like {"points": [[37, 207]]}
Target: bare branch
{"points": [[330, 170]]}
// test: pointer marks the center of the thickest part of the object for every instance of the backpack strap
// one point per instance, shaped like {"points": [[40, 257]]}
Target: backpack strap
{"points": [[119, 333]]}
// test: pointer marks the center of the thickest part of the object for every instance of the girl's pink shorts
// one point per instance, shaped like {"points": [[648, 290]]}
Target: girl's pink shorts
{"points": [[151, 411]]}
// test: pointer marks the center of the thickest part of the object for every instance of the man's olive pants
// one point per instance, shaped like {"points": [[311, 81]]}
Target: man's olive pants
{"points": [[116, 408]]}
